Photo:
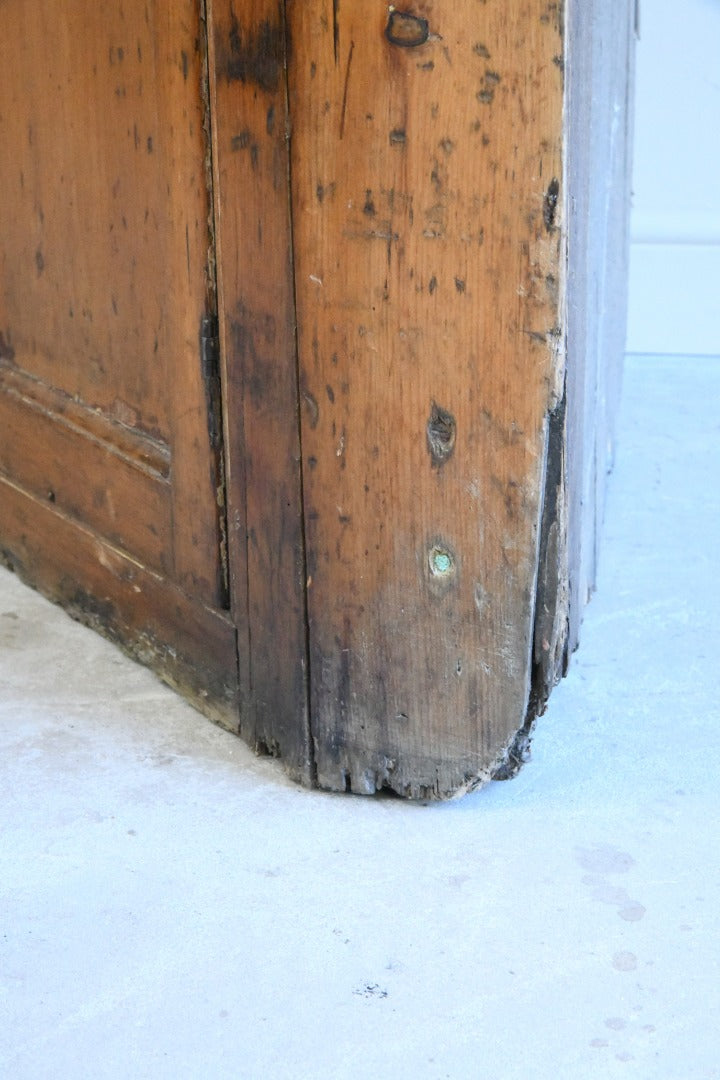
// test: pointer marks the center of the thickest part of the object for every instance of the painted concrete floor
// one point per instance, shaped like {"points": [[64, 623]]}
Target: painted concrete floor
{"points": [[171, 907]]}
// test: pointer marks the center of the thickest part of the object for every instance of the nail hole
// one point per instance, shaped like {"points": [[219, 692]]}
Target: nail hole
{"points": [[442, 563], [406, 30]]}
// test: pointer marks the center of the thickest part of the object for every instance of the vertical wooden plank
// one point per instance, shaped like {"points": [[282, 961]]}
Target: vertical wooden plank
{"points": [[427, 201], [257, 333]]}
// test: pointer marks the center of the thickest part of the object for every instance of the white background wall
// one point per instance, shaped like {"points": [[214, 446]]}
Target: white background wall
{"points": [[675, 253]]}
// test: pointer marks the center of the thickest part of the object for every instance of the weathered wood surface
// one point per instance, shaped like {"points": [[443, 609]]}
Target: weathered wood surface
{"points": [[106, 283], [250, 127], [361, 526], [427, 199]]}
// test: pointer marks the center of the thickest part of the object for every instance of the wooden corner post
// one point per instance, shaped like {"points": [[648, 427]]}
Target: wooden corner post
{"points": [[428, 197]]}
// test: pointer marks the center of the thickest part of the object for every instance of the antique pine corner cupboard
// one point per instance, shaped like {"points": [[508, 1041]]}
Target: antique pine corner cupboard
{"points": [[311, 317]]}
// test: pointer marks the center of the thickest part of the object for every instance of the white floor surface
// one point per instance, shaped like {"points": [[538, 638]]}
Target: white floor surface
{"points": [[172, 907]]}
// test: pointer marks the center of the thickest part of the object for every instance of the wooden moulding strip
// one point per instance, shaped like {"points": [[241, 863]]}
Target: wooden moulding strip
{"points": [[190, 646], [62, 464], [140, 450]]}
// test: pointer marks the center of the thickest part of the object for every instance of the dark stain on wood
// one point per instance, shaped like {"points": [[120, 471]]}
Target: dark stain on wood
{"points": [[254, 370], [336, 28], [369, 207], [256, 56], [245, 141], [240, 141], [7, 352], [550, 204], [101, 613]]}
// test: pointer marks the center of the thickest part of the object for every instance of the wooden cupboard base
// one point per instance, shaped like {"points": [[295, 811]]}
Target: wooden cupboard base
{"points": [[105, 589], [311, 324], [194, 650]]}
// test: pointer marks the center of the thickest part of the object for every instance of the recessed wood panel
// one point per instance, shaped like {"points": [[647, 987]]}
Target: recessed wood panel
{"points": [[109, 412], [104, 273]]}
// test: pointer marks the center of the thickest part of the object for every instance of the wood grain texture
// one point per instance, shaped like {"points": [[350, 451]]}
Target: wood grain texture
{"points": [[86, 477], [255, 281], [427, 202]]}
